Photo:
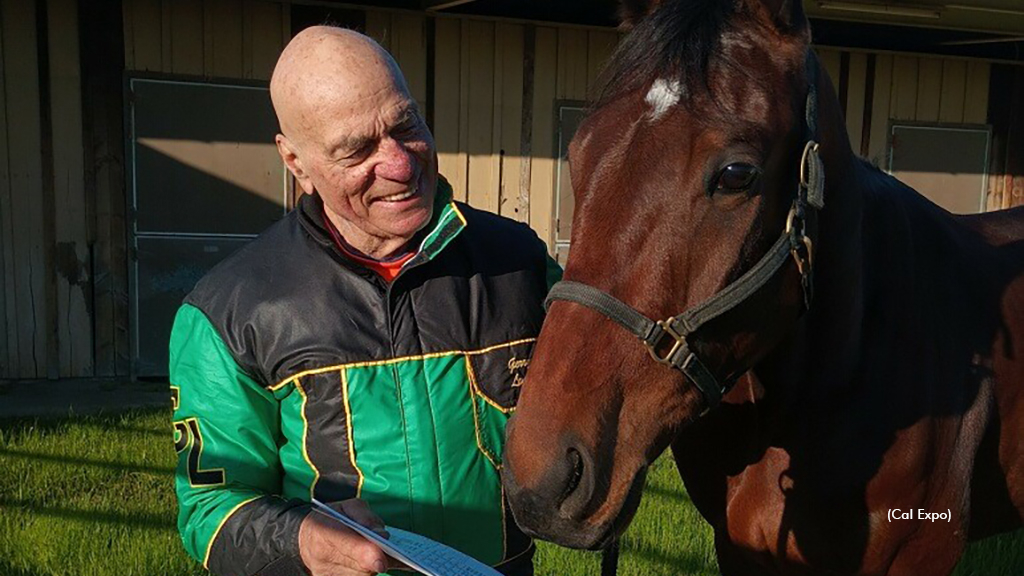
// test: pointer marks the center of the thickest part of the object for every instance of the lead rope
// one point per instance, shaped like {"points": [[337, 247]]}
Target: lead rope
{"points": [[610, 560]]}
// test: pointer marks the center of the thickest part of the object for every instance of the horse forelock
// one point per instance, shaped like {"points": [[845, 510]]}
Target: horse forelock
{"points": [[681, 40], [676, 41]]}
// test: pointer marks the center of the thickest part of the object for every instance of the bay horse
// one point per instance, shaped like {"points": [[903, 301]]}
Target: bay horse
{"points": [[865, 345]]}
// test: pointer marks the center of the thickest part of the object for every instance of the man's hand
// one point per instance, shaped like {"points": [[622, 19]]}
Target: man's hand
{"points": [[328, 548]]}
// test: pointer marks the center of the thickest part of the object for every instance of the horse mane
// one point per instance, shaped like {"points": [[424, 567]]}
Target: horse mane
{"points": [[677, 40]]}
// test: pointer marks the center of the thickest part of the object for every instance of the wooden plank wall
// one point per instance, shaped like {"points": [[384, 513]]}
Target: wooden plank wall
{"points": [[102, 70], [21, 205], [45, 292], [495, 91], [480, 95], [1006, 166], [71, 258], [906, 88], [925, 89], [404, 35], [230, 39], [476, 77], [490, 87]]}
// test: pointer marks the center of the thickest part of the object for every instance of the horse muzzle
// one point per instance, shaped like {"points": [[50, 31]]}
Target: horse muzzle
{"points": [[566, 504]]}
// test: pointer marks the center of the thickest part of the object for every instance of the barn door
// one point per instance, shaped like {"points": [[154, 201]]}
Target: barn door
{"points": [[947, 164], [205, 178]]}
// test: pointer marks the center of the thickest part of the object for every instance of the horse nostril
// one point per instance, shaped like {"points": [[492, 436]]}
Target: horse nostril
{"points": [[575, 474]]}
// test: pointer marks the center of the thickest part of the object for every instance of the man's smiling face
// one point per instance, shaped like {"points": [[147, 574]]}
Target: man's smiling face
{"points": [[375, 165], [353, 134]]}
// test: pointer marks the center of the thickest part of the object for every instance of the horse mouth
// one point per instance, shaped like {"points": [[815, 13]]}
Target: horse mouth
{"points": [[630, 504], [581, 534]]}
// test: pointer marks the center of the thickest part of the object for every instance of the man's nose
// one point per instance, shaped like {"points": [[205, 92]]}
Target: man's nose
{"points": [[397, 162]]}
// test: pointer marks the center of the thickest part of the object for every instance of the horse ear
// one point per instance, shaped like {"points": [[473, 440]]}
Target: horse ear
{"points": [[632, 11], [788, 15]]}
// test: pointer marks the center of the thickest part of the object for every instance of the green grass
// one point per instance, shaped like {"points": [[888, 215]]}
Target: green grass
{"points": [[93, 496]]}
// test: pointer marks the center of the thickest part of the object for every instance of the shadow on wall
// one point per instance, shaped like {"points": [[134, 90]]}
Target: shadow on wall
{"points": [[206, 178]]}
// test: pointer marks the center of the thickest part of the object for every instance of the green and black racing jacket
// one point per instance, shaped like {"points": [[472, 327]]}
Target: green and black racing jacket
{"points": [[297, 374]]}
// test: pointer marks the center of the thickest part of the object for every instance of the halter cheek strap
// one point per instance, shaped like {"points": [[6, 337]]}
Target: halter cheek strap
{"points": [[667, 340]]}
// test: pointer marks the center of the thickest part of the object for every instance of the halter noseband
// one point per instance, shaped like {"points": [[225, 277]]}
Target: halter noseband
{"points": [[672, 333]]}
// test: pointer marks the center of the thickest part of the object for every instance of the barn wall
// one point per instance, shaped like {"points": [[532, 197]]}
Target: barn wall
{"points": [[44, 234], [21, 189], [1006, 166], [904, 87], [490, 76], [496, 86], [101, 49], [71, 259], [489, 88], [230, 39], [881, 88]]}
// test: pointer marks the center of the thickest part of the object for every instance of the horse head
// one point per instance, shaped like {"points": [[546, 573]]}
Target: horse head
{"points": [[685, 173]]}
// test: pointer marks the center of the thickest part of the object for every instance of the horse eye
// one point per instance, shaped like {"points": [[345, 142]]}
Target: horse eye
{"points": [[738, 177]]}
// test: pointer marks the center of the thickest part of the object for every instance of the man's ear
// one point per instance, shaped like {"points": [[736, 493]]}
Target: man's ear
{"points": [[787, 15], [291, 159], [632, 11]]}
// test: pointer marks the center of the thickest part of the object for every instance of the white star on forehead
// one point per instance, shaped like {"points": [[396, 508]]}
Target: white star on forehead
{"points": [[663, 95]]}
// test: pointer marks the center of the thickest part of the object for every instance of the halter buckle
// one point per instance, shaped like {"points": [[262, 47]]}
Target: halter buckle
{"points": [[678, 342], [795, 222], [805, 163], [802, 249], [804, 258]]}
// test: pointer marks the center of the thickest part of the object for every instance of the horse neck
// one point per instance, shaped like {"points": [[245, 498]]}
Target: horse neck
{"points": [[871, 236], [830, 330]]}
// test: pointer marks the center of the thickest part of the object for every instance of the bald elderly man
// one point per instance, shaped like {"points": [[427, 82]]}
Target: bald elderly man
{"points": [[366, 350]]}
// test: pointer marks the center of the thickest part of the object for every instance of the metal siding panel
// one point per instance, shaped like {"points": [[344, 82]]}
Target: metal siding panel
{"points": [[187, 37], [378, 27], [954, 87], [831, 61], [103, 113], [600, 48], [71, 226], [542, 172], [855, 99], [409, 47], [508, 60], [25, 172], [483, 161], [8, 309], [223, 33], [286, 24], [462, 191], [451, 160], [166, 37], [903, 105], [265, 30], [976, 95], [572, 64], [929, 89], [880, 99], [143, 39], [128, 28]]}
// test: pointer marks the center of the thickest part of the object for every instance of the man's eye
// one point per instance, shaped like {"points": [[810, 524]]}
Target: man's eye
{"points": [[407, 128], [359, 152], [739, 177]]}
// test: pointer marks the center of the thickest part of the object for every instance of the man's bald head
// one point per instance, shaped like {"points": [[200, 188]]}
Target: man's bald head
{"points": [[353, 135], [325, 69]]}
